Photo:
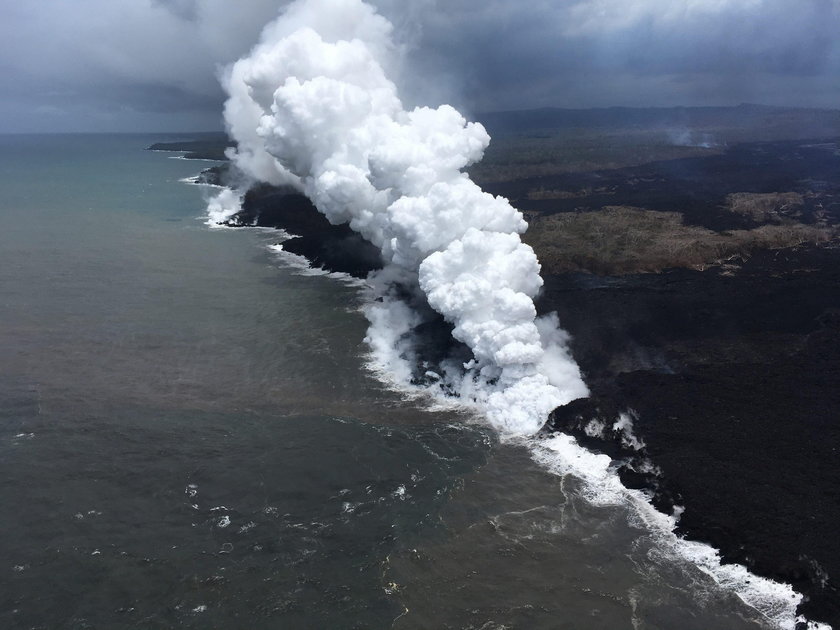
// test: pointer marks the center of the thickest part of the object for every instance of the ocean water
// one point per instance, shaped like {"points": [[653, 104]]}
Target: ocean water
{"points": [[190, 437]]}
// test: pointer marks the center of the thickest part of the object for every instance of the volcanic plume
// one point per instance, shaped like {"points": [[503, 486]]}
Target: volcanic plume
{"points": [[312, 106]]}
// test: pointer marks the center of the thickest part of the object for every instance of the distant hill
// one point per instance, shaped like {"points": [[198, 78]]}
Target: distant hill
{"points": [[799, 121]]}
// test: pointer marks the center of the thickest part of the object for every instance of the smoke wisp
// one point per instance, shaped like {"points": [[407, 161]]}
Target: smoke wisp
{"points": [[313, 106]]}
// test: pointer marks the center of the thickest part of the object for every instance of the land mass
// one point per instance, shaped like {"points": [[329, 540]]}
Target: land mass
{"points": [[211, 146], [694, 256]]}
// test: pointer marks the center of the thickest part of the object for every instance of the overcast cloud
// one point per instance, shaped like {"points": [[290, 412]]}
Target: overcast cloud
{"points": [[73, 65]]}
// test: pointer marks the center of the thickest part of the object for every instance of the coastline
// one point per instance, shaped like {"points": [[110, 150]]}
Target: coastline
{"points": [[663, 370], [736, 413]]}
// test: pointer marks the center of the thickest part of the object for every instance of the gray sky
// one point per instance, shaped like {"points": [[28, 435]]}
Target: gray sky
{"points": [[149, 65]]}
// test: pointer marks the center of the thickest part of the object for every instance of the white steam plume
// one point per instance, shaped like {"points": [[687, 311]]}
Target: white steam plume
{"points": [[312, 106]]}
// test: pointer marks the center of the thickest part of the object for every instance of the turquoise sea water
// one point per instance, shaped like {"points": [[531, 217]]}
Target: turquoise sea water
{"points": [[189, 438]]}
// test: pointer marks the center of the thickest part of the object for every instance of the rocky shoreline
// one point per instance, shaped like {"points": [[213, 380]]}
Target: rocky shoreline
{"points": [[332, 247], [732, 387], [729, 372]]}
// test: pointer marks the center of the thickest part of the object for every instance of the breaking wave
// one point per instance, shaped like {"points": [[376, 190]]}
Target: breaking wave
{"points": [[312, 106]]}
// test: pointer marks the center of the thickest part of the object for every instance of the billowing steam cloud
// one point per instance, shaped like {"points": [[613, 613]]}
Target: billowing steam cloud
{"points": [[312, 106]]}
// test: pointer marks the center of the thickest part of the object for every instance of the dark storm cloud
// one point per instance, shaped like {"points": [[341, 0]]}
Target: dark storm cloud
{"points": [[640, 52], [147, 58]]}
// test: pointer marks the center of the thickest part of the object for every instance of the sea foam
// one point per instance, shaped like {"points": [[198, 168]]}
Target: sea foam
{"points": [[312, 106]]}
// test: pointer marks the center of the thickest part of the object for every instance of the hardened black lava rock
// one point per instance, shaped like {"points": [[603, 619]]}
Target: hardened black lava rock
{"points": [[332, 247], [733, 379], [735, 385]]}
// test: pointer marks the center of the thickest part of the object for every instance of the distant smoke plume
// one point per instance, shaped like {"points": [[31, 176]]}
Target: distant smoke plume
{"points": [[689, 138], [312, 106]]}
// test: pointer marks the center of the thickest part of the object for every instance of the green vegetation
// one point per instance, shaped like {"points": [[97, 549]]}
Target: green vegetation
{"points": [[620, 240], [537, 150], [766, 207]]}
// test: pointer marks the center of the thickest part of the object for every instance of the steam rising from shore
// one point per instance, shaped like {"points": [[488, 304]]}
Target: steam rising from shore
{"points": [[312, 106]]}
